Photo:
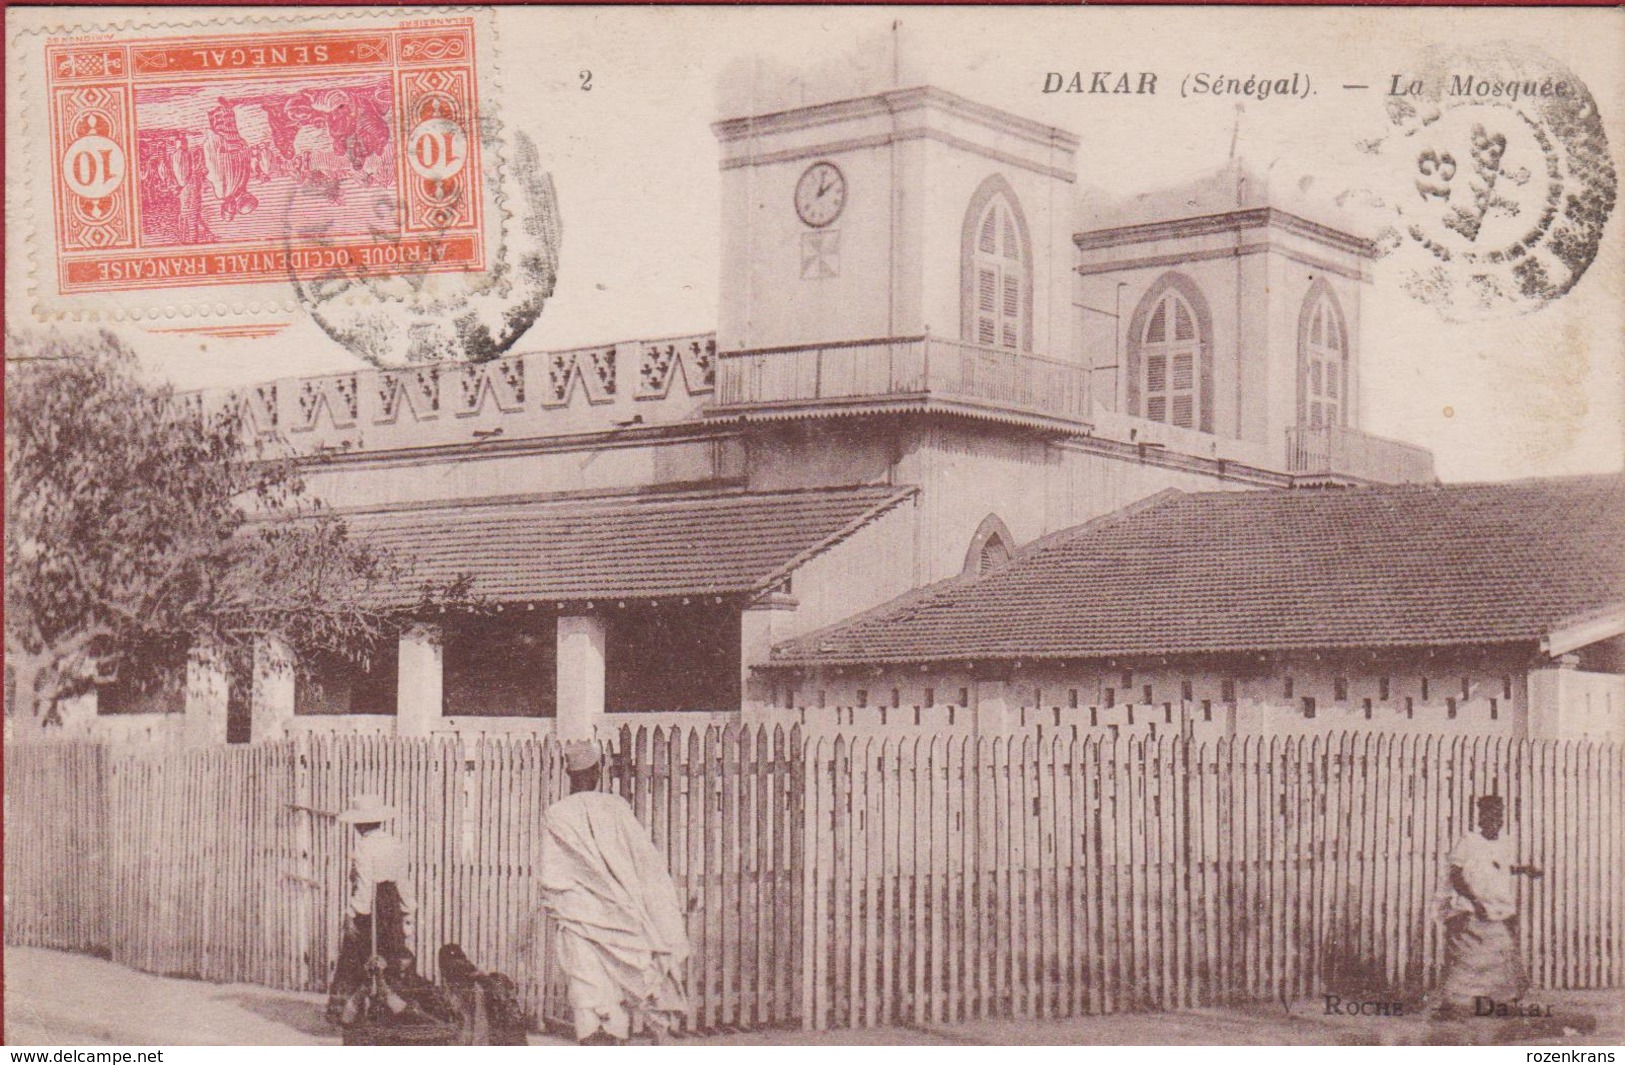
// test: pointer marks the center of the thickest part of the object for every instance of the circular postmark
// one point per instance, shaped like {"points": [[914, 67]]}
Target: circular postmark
{"points": [[393, 304], [1499, 179]]}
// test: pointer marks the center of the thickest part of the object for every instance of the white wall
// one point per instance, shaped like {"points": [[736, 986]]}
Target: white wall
{"points": [[1095, 697], [1572, 703]]}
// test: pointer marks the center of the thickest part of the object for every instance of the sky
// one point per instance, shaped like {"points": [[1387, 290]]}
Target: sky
{"points": [[620, 103]]}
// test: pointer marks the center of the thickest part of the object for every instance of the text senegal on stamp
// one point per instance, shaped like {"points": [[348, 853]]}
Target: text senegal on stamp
{"points": [[190, 160]]}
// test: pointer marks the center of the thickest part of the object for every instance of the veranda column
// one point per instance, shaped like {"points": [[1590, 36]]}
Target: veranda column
{"points": [[1550, 690], [761, 625], [208, 687], [581, 641], [272, 690], [421, 679]]}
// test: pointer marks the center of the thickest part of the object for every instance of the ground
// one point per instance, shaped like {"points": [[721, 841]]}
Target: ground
{"points": [[54, 998]]}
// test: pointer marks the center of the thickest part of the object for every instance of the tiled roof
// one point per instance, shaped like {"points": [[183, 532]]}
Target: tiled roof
{"points": [[1272, 570], [646, 547]]}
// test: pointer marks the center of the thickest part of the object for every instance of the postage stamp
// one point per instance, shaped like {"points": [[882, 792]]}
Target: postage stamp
{"points": [[232, 175], [186, 159]]}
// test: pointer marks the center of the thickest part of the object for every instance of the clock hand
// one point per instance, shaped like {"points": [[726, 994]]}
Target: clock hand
{"points": [[823, 187]]}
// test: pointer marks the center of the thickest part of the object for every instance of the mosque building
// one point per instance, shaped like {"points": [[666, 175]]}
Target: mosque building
{"points": [[964, 451]]}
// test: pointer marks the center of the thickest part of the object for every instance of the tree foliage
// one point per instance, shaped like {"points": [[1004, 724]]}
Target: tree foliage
{"points": [[138, 527]]}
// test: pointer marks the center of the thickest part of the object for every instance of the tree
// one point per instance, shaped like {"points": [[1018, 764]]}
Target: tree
{"points": [[139, 527]]}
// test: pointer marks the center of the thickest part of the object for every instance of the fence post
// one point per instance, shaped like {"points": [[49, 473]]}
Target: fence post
{"points": [[814, 928]]}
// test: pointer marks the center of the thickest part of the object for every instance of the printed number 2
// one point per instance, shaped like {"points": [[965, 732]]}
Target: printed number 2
{"points": [[586, 80]]}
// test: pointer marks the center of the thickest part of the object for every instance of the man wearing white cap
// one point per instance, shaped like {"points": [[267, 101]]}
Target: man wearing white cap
{"points": [[379, 891], [622, 937]]}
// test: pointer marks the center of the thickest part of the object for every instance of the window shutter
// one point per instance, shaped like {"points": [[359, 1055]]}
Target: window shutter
{"points": [[1171, 366], [1156, 373], [1182, 411], [1183, 379], [996, 285], [1184, 328], [1157, 331], [994, 553], [1204, 410], [1012, 311]]}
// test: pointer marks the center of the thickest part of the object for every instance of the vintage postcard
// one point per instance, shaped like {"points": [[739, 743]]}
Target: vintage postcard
{"points": [[814, 526]]}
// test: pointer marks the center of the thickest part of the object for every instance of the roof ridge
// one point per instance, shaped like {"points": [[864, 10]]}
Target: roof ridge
{"points": [[1322, 491], [1181, 572], [891, 606], [883, 507], [920, 597], [686, 493], [1098, 523]]}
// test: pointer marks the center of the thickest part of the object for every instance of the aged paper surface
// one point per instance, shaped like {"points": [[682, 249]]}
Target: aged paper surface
{"points": [[1063, 525]]}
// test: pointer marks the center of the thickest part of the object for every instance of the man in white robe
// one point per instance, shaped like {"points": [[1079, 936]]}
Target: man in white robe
{"points": [[622, 936]]}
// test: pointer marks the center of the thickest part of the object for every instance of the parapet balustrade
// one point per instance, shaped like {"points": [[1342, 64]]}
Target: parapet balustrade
{"points": [[918, 372], [1335, 450], [621, 383]]}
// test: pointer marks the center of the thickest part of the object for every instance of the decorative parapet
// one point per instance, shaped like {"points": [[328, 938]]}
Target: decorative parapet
{"points": [[532, 394], [692, 358]]}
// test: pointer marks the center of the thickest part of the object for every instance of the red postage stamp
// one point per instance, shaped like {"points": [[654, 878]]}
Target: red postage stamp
{"points": [[214, 160]]}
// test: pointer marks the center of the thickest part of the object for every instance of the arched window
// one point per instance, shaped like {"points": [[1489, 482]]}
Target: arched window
{"points": [[991, 547], [1170, 371], [993, 554], [1323, 360], [997, 267]]}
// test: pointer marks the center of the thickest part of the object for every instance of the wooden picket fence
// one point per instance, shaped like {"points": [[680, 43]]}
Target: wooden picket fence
{"points": [[958, 877], [228, 864], [834, 882]]}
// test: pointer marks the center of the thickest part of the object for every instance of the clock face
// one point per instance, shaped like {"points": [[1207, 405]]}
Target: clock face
{"points": [[820, 195]]}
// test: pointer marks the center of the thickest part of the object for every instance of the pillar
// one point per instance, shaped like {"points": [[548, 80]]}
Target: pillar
{"points": [[1549, 694], [420, 687], [208, 686], [272, 690], [581, 641], [761, 625]]}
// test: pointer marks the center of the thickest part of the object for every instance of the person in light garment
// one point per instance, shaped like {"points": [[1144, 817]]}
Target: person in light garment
{"points": [[622, 936], [1481, 917], [382, 907]]}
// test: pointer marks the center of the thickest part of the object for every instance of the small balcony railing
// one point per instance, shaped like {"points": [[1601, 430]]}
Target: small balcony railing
{"points": [[1336, 451], [921, 372]]}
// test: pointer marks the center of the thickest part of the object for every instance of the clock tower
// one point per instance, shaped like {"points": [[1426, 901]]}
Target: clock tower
{"points": [[901, 213]]}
